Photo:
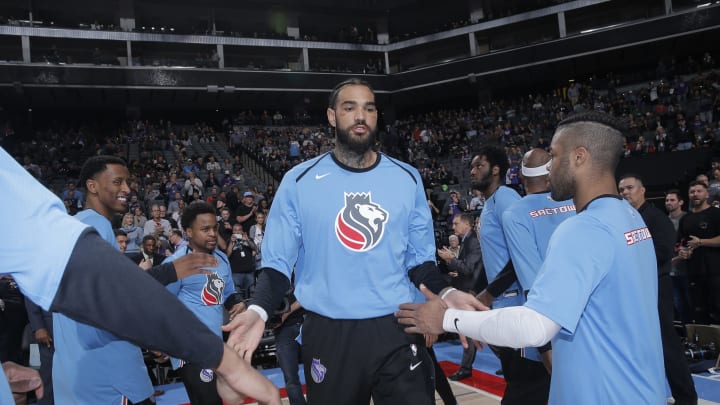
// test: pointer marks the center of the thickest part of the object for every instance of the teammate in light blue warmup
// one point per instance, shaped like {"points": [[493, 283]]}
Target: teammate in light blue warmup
{"points": [[204, 295], [103, 289], [596, 293], [528, 225]]}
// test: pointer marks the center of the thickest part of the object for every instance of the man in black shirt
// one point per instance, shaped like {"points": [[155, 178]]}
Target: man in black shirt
{"points": [[699, 233], [241, 251], [245, 214], [661, 228]]}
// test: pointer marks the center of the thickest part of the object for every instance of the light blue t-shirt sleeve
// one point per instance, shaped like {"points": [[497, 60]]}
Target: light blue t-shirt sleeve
{"points": [[283, 234], [421, 246], [5, 394], [175, 286], [28, 207], [577, 261]]}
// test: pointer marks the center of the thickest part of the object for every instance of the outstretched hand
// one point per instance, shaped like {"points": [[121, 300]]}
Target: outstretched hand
{"points": [[461, 300], [246, 329], [237, 379], [189, 265], [425, 318], [22, 379]]}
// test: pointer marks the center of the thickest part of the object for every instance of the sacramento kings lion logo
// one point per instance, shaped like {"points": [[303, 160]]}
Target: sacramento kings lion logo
{"points": [[317, 371], [360, 224], [213, 291]]}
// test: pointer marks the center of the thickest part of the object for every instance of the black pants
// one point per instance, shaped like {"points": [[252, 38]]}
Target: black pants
{"points": [[468, 357], [46, 357], [442, 386], [12, 321], [200, 385], [528, 382], [347, 362], [676, 367], [704, 299]]}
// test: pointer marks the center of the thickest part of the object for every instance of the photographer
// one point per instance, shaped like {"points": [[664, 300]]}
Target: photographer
{"points": [[241, 251]]}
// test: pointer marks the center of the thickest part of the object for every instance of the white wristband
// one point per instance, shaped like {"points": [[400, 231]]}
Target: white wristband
{"points": [[448, 291], [260, 311]]}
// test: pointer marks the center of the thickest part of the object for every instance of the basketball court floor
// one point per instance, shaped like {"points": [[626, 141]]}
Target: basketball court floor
{"points": [[483, 388]]}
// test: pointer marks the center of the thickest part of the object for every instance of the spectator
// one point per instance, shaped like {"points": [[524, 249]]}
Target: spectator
{"points": [[256, 233], [241, 250], [464, 270], [157, 226], [134, 234], [212, 165], [212, 181], [192, 186], [190, 167], [699, 235], [245, 214], [139, 218]]}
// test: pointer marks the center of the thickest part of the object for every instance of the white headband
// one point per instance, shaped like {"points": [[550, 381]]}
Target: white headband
{"points": [[535, 171]]}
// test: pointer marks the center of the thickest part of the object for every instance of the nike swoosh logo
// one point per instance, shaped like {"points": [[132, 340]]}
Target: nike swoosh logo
{"points": [[320, 176], [414, 366], [455, 322]]}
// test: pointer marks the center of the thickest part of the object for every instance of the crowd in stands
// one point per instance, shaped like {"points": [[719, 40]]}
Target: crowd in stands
{"points": [[674, 112]]}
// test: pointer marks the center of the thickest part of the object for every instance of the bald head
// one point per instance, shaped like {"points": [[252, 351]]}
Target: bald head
{"points": [[536, 157], [534, 170]]}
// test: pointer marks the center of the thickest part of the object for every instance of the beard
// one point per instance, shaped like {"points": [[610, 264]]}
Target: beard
{"points": [[358, 145], [482, 183], [562, 186], [697, 203]]}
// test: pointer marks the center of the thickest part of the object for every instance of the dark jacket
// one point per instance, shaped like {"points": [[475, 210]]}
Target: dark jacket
{"points": [[138, 257], [38, 317], [468, 264], [663, 235]]}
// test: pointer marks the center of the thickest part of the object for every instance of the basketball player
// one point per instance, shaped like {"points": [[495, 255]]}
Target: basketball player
{"points": [[356, 225], [596, 293], [204, 295], [104, 289]]}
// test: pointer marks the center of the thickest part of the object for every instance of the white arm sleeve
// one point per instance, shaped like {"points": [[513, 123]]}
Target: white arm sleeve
{"points": [[508, 327]]}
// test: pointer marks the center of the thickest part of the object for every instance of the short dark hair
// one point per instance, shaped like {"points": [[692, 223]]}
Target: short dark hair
{"points": [[119, 232], [697, 183], [97, 164], [193, 210], [631, 176], [600, 133], [496, 157], [676, 192], [466, 217], [353, 81], [149, 237], [176, 232]]}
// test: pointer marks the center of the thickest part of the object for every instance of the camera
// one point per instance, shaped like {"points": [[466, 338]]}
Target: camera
{"points": [[694, 351], [238, 236]]}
